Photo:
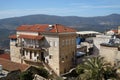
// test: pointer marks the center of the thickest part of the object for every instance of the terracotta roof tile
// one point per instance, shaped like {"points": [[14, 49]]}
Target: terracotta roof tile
{"points": [[13, 36], [5, 56], [11, 66], [56, 28], [115, 31], [31, 37]]}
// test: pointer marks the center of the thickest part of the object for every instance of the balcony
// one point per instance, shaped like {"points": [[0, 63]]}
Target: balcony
{"points": [[35, 62]]}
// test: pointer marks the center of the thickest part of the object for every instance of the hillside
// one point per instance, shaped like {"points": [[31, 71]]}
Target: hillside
{"points": [[100, 23]]}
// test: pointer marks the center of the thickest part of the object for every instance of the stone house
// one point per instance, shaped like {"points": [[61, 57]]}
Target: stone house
{"points": [[54, 45]]}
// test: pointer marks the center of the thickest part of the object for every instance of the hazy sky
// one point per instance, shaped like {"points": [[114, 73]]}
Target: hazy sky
{"points": [[84, 8]]}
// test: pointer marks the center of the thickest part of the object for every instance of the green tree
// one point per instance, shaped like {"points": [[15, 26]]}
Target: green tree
{"points": [[43, 72], [94, 68], [27, 75], [39, 70]]}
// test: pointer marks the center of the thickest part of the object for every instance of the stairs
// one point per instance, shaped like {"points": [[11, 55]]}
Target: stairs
{"points": [[50, 69]]}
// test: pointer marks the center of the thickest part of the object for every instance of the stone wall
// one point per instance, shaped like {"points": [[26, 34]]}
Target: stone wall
{"points": [[67, 52], [15, 54], [53, 51]]}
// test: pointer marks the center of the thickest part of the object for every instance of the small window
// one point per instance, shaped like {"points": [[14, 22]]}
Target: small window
{"points": [[66, 57], [35, 54], [62, 59], [72, 41], [13, 40], [50, 56], [65, 70], [56, 44], [26, 53], [51, 43], [63, 42], [66, 42], [23, 53]]}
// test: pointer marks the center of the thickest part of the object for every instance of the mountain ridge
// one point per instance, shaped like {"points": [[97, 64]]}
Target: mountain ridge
{"points": [[108, 21]]}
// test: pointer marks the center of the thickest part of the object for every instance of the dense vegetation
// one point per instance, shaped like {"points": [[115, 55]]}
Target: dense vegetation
{"points": [[26, 75], [96, 68]]}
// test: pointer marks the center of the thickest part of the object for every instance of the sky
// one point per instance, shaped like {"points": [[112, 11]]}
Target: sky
{"points": [[82, 8]]}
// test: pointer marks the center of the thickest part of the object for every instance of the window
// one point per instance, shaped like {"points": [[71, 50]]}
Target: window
{"points": [[35, 54], [50, 56], [72, 41], [62, 59], [69, 41], [51, 43], [56, 44], [66, 57], [65, 70], [23, 53], [66, 42], [63, 42], [13, 40], [26, 53]]}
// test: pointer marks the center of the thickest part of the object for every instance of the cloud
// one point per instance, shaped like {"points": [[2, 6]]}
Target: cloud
{"points": [[93, 5], [51, 11], [102, 6], [77, 10]]}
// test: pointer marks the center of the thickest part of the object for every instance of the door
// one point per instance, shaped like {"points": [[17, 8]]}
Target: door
{"points": [[42, 56], [30, 54]]}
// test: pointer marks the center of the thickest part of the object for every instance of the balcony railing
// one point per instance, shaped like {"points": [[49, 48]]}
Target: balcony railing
{"points": [[30, 60]]}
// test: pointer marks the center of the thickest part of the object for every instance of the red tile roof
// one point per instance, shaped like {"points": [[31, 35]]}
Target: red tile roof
{"points": [[11, 66], [115, 31], [56, 28], [13, 36], [31, 37], [5, 56]]}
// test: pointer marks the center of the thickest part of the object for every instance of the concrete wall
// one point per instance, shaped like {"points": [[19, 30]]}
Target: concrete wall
{"points": [[97, 41], [109, 53]]}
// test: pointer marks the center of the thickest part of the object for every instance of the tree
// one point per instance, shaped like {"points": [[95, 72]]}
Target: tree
{"points": [[27, 75], [94, 68], [43, 72]]}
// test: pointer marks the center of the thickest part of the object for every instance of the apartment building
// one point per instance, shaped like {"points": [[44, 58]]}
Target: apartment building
{"points": [[54, 45]]}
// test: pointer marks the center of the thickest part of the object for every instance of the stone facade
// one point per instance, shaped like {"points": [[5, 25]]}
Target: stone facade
{"points": [[15, 57], [67, 51]]}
